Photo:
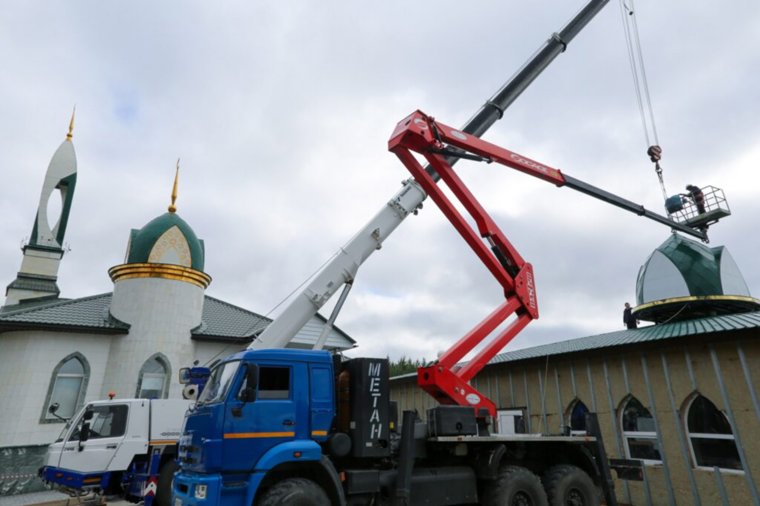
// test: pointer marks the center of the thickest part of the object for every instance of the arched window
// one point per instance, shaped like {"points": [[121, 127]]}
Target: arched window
{"points": [[68, 384], [710, 436], [576, 415], [639, 432], [153, 382]]}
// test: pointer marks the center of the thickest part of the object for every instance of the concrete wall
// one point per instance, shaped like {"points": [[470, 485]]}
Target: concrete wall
{"points": [[664, 378]]}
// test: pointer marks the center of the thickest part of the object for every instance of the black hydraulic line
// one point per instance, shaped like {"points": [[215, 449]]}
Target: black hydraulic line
{"points": [[494, 108], [615, 200]]}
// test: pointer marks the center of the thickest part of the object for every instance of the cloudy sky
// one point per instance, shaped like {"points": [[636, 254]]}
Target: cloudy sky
{"points": [[281, 110]]}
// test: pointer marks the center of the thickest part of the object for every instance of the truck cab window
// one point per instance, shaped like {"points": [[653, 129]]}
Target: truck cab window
{"points": [[107, 421], [274, 383]]}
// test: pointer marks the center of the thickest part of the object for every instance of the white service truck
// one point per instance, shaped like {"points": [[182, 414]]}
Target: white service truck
{"points": [[124, 447]]}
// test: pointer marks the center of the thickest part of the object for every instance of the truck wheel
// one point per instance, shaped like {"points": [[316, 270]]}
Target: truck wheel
{"points": [[515, 486], [568, 485], [165, 481], [295, 492]]}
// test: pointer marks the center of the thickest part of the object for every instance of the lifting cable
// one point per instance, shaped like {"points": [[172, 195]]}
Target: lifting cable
{"points": [[636, 60]]}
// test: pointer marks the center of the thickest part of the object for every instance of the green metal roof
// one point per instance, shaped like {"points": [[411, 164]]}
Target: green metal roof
{"points": [[225, 321], [88, 314], [220, 321], [142, 241], [661, 332], [36, 283]]}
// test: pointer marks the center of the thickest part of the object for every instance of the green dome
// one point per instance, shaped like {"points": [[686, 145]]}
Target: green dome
{"points": [[683, 279], [167, 239]]}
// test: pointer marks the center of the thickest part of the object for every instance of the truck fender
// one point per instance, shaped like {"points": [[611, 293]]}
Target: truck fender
{"points": [[336, 494], [286, 453], [487, 462], [283, 454]]}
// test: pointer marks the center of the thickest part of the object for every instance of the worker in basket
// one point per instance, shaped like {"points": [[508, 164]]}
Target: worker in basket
{"points": [[696, 195]]}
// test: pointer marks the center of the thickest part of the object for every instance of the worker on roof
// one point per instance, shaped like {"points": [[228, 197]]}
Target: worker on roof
{"points": [[628, 319]]}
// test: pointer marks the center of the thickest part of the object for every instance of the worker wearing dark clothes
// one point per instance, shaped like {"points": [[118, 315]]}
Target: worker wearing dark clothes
{"points": [[697, 196], [628, 319]]}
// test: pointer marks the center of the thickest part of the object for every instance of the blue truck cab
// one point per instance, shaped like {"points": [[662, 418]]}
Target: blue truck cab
{"points": [[286, 427], [261, 410]]}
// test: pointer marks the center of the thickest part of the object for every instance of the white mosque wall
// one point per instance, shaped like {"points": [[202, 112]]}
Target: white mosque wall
{"points": [[27, 361], [161, 313]]}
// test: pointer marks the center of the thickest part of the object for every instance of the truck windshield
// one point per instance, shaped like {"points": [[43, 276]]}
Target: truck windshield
{"points": [[219, 382], [64, 431]]}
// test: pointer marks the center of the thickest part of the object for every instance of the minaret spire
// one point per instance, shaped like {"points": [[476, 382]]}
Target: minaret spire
{"points": [[172, 207], [71, 125]]}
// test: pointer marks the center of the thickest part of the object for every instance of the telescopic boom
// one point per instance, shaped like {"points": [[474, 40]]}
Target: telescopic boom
{"points": [[342, 269]]}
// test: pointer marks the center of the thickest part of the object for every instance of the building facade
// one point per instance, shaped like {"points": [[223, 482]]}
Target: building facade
{"points": [[130, 342], [681, 395]]}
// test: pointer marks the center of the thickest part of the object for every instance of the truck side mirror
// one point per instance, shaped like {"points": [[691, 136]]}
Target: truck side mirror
{"points": [[184, 375], [248, 392], [53, 410]]}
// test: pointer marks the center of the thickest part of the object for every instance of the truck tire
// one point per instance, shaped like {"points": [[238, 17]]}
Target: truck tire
{"points": [[295, 492], [165, 482], [568, 485], [515, 486]]}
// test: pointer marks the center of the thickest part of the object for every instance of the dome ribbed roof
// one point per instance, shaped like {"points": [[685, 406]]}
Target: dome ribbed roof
{"points": [[685, 279], [167, 239]]}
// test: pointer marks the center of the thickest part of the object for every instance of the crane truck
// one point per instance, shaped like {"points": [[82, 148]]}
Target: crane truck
{"points": [[296, 427]]}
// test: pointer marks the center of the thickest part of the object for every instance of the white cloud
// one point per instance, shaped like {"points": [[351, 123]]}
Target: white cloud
{"points": [[281, 114]]}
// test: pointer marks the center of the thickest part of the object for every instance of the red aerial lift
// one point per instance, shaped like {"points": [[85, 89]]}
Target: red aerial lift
{"points": [[447, 380]]}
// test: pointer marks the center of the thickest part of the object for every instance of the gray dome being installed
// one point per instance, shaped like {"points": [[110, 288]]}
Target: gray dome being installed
{"points": [[684, 279]]}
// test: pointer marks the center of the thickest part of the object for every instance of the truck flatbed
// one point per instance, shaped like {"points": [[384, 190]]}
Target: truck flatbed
{"points": [[504, 438]]}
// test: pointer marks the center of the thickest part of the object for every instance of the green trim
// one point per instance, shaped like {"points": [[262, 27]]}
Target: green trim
{"points": [[160, 358], [82, 388], [678, 309], [66, 186]]}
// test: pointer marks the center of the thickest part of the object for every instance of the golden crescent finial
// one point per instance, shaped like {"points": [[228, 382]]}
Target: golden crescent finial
{"points": [[71, 125], [172, 207]]}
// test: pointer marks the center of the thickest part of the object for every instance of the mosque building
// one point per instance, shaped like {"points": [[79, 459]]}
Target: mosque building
{"points": [[679, 396], [133, 340]]}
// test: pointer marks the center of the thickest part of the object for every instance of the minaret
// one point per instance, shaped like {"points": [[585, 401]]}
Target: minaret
{"points": [[42, 255]]}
